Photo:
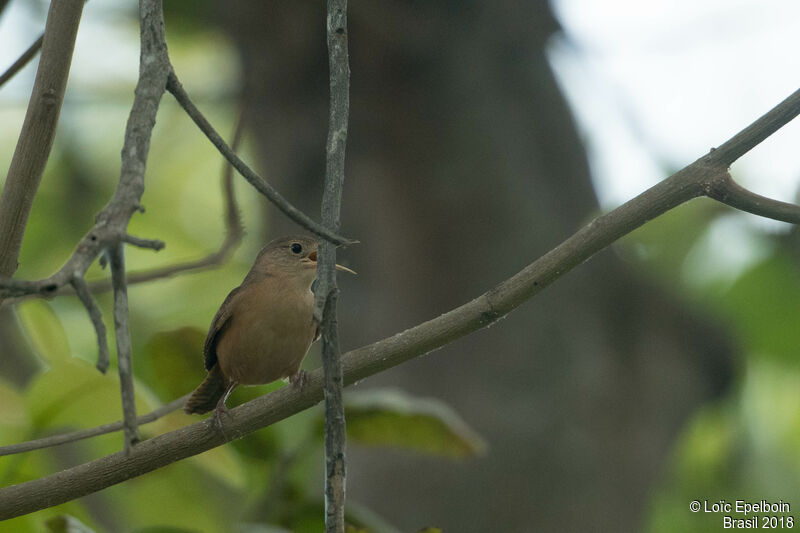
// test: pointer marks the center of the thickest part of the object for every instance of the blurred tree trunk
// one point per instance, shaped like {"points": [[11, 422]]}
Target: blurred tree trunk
{"points": [[17, 364], [464, 165]]}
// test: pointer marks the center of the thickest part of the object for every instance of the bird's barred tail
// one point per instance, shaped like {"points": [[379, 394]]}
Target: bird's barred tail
{"points": [[205, 397]]}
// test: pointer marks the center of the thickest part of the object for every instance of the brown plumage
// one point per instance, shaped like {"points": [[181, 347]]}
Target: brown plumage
{"points": [[205, 397], [264, 327]]}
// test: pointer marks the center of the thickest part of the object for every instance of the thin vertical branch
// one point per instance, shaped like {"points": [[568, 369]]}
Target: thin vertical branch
{"points": [[327, 290], [116, 257], [153, 70], [38, 129]]}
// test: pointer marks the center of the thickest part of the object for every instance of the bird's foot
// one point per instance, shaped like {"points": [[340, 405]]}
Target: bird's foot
{"points": [[299, 380], [216, 417]]}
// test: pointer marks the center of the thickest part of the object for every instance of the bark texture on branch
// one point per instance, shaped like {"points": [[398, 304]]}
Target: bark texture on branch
{"points": [[327, 291], [38, 129]]}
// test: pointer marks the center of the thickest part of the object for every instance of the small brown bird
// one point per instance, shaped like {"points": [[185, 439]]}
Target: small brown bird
{"points": [[264, 327]]}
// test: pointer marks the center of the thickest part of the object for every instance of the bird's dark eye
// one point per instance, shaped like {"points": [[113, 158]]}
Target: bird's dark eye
{"points": [[296, 247]]}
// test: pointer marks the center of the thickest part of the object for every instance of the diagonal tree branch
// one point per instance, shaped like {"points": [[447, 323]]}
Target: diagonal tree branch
{"points": [[23, 60], [38, 129], [327, 291], [692, 181], [81, 434], [174, 86], [755, 133]]}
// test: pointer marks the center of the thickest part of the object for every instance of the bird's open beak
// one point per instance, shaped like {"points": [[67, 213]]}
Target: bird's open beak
{"points": [[345, 269], [313, 258]]}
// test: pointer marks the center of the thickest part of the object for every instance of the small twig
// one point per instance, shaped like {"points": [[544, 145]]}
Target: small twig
{"points": [[153, 244], [233, 219], [727, 191], [10, 288], [174, 86], [81, 434], [24, 290], [82, 290], [116, 258], [327, 291], [23, 60]]}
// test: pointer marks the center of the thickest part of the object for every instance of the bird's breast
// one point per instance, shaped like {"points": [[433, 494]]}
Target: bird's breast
{"points": [[269, 333]]}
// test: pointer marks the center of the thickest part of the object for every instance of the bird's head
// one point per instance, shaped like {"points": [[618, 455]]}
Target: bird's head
{"points": [[294, 256]]}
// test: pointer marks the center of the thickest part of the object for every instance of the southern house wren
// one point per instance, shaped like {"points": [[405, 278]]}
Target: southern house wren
{"points": [[264, 327]]}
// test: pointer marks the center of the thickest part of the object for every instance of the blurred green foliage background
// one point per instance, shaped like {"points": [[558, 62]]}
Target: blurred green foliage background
{"points": [[743, 447]]}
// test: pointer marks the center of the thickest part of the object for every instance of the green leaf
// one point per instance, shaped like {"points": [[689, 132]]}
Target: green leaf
{"points": [[259, 528], [172, 362], [44, 330], [181, 497], [73, 392], [764, 303], [656, 246], [307, 516], [361, 516], [390, 417], [14, 421], [164, 529], [12, 406], [67, 524]]}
